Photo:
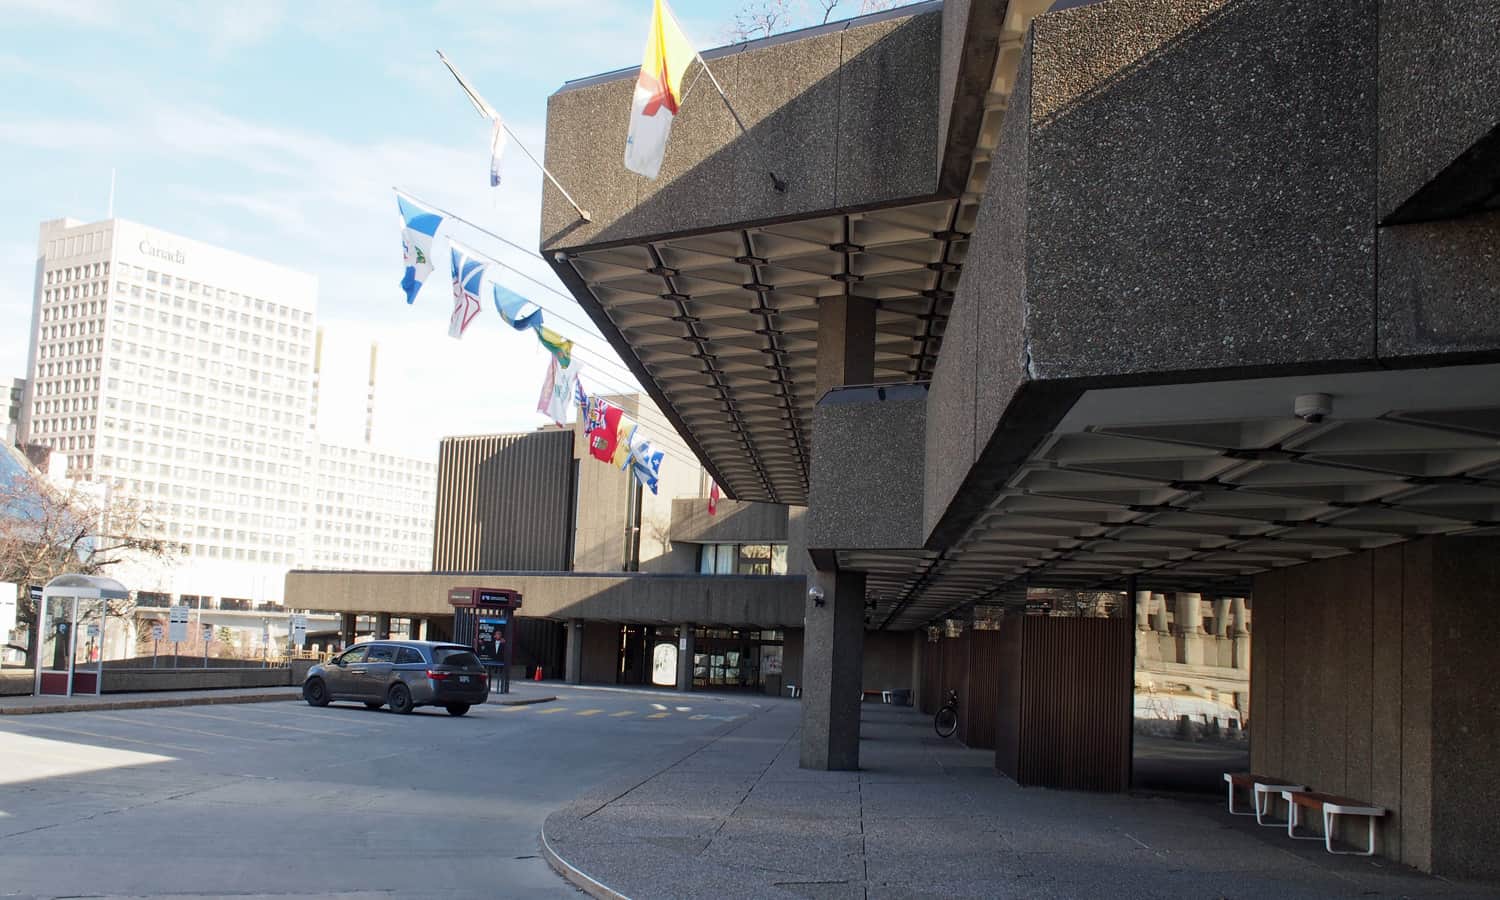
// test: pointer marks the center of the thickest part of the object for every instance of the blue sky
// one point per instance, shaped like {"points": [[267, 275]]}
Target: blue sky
{"points": [[277, 129]]}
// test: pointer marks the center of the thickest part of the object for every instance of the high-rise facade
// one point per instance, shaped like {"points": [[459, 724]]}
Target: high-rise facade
{"points": [[181, 374]]}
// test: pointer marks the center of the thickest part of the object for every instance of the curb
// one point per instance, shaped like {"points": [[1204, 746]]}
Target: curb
{"points": [[526, 702], [146, 703], [576, 876]]}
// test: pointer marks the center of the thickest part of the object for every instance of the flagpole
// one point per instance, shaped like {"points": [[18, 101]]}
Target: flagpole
{"points": [[776, 182], [486, 111]]}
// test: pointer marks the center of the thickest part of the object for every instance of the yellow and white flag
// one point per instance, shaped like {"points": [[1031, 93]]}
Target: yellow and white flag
{"points": [[658, 92]]}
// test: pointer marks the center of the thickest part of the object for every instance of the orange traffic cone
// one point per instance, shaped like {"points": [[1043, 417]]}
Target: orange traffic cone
{"points": [[538, 675]]}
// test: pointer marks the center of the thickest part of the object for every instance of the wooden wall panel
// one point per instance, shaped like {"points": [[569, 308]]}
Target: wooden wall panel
{"points": [[983, 701]]}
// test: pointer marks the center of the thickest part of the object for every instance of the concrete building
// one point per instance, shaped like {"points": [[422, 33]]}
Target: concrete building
{"points": [[180, 374], [1080, 297], [1085, 296], [13, 403]]}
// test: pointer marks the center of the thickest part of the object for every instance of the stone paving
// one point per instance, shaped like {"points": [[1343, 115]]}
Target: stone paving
{"points": [[927, 818]]}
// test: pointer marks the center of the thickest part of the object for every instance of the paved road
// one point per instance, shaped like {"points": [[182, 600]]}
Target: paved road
{"points": [[286, 800]]}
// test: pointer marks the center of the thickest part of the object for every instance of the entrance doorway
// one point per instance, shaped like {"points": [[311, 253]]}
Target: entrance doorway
{"points": [[735, 658]]}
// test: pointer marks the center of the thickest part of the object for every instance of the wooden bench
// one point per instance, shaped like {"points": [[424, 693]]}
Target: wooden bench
{"points": [[1332, 806], [1265, 790]]}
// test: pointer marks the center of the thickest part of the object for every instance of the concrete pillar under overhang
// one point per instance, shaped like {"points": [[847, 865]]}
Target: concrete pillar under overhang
{"points": [[832, 669], [1159, 613], [346, 628], [685, 651], [382, 626], [1189, 615], [1221, 616], [1142, 610], [573, 668], [834, 635], [420, 627], [1239, 629]]}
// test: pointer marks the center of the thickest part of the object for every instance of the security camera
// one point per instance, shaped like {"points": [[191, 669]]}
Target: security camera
{"points": [[1313, 408], [815, 594]]}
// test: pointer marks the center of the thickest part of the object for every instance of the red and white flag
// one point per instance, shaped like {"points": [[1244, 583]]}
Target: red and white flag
{"points": [[713, 499], [658, 92]]}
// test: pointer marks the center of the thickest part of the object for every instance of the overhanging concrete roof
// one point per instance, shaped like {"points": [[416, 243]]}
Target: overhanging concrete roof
{"points": [[707, 283]]}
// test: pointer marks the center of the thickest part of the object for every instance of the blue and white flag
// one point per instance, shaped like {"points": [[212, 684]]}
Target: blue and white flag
{"points": [[643, 460], [468, 272], [518, 312], [417, 231]]}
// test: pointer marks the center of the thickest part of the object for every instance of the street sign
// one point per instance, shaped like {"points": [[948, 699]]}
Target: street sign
{"points": [[299, 629], [177, 623], [35, 591], [208, 633], [155, 631], [93, 631]]}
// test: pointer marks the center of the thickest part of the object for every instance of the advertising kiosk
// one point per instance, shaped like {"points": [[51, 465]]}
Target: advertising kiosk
{"points": [[484, 618]]}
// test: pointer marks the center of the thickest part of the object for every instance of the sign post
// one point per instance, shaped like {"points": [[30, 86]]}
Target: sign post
{"points": [[177, 623], [208, 636], [155, 639], [299, 630]]}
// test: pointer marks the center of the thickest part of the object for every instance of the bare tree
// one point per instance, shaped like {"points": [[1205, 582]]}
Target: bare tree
{"points": [[760, 18], [47, 530]]}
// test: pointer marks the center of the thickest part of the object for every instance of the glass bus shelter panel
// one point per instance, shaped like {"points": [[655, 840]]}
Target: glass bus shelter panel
{"points": [[88, 646], [55, 626]]}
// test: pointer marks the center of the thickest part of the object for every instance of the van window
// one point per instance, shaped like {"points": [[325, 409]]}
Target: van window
{"points": [[455, 656], [382, 654], [408, 655]]}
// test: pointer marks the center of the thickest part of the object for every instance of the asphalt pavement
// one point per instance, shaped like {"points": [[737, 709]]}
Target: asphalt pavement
{"points": [[281, 799]]}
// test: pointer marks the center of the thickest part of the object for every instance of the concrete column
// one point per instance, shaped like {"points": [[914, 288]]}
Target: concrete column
{"points": [[346, 628], [1239, 630], [685, 652], [846, 342], [1142, 610], [832, 669], [573, 670], [1221, 616], [1159, 613], [420, 627], [1189, 614], [382, 626]]}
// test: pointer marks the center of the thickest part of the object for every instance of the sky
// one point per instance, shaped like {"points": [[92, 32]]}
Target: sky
{"points": [[278, 129]]}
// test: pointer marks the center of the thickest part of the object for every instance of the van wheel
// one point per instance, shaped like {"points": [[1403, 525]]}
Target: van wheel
{"points": [[457, 709], [315, 692], [399, 699]]}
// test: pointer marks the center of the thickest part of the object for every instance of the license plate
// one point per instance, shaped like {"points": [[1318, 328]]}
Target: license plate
{"points": [[463, 679]]}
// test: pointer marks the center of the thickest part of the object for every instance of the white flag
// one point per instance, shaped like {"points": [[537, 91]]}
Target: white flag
{"points": [[497, 148], [559, 391]]}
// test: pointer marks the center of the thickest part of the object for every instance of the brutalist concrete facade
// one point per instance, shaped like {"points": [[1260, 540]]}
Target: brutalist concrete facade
{"points": [[1185, 194]]}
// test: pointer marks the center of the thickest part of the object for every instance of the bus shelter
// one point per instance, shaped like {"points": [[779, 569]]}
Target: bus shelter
{"points": [[72, 624], [484, 618]]}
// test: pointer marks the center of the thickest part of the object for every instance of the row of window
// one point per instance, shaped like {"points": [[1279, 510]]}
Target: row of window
{"points": [[197, 289], [75, 273], [742, 559], [74, 292]]}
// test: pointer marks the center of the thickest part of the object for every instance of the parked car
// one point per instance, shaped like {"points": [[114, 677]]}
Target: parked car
{"points": [[402, 675]]}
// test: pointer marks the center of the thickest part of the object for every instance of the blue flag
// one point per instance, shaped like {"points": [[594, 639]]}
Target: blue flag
{"points": [[468, 272], [417, 231], [518, 312]]}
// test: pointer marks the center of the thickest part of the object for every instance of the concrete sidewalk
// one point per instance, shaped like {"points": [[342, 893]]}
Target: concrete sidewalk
{"points": [[28, 705], [925, 818]]}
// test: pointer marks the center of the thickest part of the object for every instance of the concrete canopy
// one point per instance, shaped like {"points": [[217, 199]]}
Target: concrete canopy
{"points": [[708, 283]]}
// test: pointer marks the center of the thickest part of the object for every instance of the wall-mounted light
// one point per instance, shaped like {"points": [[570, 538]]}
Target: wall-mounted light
{"points": [[815, 594]]}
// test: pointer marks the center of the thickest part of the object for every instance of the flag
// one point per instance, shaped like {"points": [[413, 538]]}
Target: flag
{"points": [[583, 399], [608, 431], [559, 391], [643, 460], [497, 148], [467, 273], [417, 230], [517, 311], [713, 499], [560, 347], [482, 106], [658, 91]]}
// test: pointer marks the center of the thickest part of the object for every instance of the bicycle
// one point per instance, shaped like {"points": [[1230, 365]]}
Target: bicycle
{"points": [[946, 720]]}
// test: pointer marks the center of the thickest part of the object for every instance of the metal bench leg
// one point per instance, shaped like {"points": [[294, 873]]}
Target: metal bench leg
{"points": [[1328, 825], [1291, 824], [1232, 810]]}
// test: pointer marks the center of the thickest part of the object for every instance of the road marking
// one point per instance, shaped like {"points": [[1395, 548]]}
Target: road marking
{"points": [[198, 731], [658, 715], [697, 718], [515, 708], [548, 712], [589, 712], [111, 737], [260, 723], [621, 714]]}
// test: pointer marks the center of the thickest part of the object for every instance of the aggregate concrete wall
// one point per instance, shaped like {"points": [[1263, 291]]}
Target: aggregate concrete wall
{"points": [[193, 680], [1439, 96], [1440, 286], [847, 115], [735, 522], [768, 601], [877, 503], [1371, 677]]}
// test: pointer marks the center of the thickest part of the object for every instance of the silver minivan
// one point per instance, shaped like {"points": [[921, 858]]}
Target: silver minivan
{"points": [[402, 675]]}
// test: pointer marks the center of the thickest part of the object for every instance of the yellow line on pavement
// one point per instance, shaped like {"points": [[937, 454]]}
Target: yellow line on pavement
{"points": [[548, 712], [515, 708], [589, 712], [696, 718], [619, 714], [658, 715]]}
